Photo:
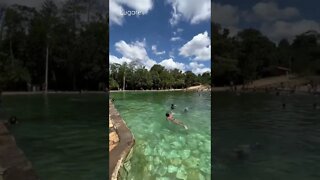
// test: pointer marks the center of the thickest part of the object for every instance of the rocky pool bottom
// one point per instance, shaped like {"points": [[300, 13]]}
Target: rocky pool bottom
{"points": [[163, 150], [169, 159]]}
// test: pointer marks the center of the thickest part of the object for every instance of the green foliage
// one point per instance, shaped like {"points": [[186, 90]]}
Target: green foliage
{"points": [[77, 47], [138, 78], [250, 55]]}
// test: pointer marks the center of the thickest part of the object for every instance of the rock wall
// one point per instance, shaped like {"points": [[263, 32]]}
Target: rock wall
{"points": [[121, 143], [13, 163]]}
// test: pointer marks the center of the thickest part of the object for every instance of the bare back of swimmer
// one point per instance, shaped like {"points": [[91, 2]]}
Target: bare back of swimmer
{"points": [[170, 117]]}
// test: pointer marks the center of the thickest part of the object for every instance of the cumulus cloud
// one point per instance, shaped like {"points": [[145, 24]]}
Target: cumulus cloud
{"points": [[226, 15], [171, 64], [270, 11], [281, 29], [198, 68], [134, 51], [155, 51], [116, 9], [113, 59], [199, 47], [190, 11]]}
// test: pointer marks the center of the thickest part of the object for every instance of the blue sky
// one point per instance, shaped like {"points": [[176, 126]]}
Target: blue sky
{"points": [[276, 19], [173, 33]]}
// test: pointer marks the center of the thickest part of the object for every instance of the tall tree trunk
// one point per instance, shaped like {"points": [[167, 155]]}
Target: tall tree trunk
{"points": [[124, 82], [11, 53], [47, 66]]}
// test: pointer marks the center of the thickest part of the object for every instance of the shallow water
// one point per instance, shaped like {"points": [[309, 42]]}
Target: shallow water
{"points": [[289, 137], [64, 136], [164, 150]]}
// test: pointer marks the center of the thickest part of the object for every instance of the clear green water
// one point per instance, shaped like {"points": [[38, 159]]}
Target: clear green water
{"points": [[64, 136], [289, 138], [164, 150]]}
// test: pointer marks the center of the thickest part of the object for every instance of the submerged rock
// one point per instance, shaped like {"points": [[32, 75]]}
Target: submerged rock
{"points": [[192, 162], [157, 160], [175, 161], [185, 154], [182, 173], [173, 154], [162, 170], [172, 169], [147, 151]]}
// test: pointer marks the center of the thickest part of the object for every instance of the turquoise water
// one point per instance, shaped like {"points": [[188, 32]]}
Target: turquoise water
{"points": [[64, 136], [164, 150], [289, 137]]}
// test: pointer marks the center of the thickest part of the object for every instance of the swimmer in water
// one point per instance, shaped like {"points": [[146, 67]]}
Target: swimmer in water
{"points": [[173, 106], [186, 109], [170, 117]]}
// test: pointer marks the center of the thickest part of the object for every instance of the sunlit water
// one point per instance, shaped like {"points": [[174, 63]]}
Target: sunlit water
{"points": [[164, 150], [64, 136], [289, 137]]}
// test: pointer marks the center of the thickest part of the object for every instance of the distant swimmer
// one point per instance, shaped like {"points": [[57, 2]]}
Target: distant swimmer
{"points": [[186, 109], [170, 117], [112, 99], [315, 106], [173, 106], [283, 105], [12, 121]]}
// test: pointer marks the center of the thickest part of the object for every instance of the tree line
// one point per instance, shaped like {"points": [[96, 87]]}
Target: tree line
{"points": [[71, 40], [136, 77], [250, 55]]}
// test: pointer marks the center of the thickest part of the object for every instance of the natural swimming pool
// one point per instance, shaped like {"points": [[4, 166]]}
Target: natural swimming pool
{"points": [[164, 150], [63, 135]]}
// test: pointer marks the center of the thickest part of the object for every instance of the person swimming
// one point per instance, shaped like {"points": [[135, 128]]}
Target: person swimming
{"points": [[186, 109], [173, 106], [170, 117]]}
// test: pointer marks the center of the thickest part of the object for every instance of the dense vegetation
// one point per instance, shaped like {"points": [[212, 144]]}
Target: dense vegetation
{"points": [[132, 76], [250, 55], [72, 37]]}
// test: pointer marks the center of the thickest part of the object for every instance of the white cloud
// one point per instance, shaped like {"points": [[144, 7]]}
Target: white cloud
{"points": [[226, 15], [155, 51], [113, 59], [281, 29], [171, 64], [135, 50], [175, 39], [198, 68], [190, 11], [199, 46], [269, 11], [116, 9]]}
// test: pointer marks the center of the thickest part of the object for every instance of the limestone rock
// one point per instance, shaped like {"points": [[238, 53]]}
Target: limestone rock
{"points": [[182, 173]]}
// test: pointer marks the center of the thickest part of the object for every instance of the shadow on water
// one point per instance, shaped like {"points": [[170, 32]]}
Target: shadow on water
{"points": [[290, 137], [63, 138]]}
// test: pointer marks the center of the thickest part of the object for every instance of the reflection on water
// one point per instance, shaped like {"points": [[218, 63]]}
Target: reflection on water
{"points": [[63, 138], [289, 137], [164, 150]]}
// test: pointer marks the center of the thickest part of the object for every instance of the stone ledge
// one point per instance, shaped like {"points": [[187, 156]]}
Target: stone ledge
{"points": [[13, 163], [118, 154]]}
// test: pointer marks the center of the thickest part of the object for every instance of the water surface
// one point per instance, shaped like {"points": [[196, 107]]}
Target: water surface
{"points": [[164, 150], [64, 136], [289, 137]]}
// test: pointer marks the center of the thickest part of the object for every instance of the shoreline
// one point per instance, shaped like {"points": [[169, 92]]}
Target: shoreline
{"points": [[51, 92]]}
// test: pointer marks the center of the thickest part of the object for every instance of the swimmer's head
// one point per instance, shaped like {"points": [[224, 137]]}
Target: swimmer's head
{"points": [[13, 120], [167, 114]]}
